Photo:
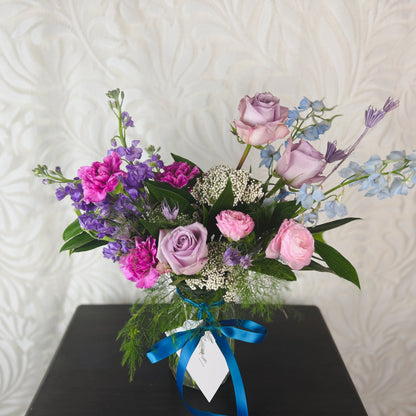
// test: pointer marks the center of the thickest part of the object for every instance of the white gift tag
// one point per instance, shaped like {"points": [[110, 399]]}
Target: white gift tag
{"points": [[207, 365]]}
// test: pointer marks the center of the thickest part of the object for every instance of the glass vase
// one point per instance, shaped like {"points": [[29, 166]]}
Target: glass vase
{"points": [[193, 320]]}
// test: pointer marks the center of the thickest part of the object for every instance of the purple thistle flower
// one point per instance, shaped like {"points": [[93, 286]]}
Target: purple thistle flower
{"points": [[169, 213], [390, 105], [333, 154], [373, 116]]}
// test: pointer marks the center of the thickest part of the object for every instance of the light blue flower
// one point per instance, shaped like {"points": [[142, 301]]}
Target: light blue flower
{"points": [[310, 133], [308, 195], [398, 187], [353, 169], [304, 104], [268, 154], [318, 105], [335, 208], [292, 117], [311, 217]]}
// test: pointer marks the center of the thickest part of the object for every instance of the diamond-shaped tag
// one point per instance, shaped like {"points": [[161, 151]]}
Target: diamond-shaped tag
{"points": [[207, 365]]}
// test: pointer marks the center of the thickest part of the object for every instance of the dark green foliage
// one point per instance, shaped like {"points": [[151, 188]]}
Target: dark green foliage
{"points": [[161, 190], [331, 225], [82, 242], [336, 262], [272, 267]]}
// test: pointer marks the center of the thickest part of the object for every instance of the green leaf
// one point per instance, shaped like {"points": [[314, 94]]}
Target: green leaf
{"points": [[330, 225], [177, 158], [77, 242], [151, 227], [72, 230], [90, 246], [317, 267], [269, 217], [337, 262], [162, 190], [274, 268]]}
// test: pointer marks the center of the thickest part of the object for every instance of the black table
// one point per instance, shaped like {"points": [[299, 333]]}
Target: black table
{"points": [[297, 370]]}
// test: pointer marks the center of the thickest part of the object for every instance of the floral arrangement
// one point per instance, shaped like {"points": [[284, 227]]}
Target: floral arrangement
{"points": [[222, 237]]}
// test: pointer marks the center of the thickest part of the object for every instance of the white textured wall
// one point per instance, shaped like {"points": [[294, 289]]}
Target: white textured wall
{"points": [[184, 65]]}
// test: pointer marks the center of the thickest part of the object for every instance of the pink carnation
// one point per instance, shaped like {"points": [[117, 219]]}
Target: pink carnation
{"points": [[140, 264], [178, 174], [101, 178], [234, 224], [293, 243]]}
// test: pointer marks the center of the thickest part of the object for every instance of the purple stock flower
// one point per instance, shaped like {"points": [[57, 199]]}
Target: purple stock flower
{"points": [[114, 250], [245, 261], [373, 116], [60, 193], [126, 119], [129, 153], [390, 105], [231, 257]]}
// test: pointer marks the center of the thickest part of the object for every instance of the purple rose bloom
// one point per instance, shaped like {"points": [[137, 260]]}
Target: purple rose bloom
{"points": [[184, 248], [300, 163], [262, 119]]}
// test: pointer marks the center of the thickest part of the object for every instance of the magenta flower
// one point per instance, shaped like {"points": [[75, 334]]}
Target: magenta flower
{"points": [[100, 178], [139, 264], [178, 174]]}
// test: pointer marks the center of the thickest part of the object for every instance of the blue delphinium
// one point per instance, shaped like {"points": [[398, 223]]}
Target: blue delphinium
{"points": [[335, 208], [268, 155], [308, 195]]}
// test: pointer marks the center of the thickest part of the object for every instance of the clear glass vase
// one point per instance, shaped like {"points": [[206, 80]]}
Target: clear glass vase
{"points": [[193, 320]]}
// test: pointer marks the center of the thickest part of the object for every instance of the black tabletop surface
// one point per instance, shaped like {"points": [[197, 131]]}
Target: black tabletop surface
{"points": [[297, 370]]}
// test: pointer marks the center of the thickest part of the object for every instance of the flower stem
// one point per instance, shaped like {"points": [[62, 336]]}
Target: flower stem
{"points": [[120, 128], [244, 157]]}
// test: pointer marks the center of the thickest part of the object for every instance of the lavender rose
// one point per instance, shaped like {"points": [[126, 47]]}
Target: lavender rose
{"points": [[293, 243], [234, 224], [261, 119], [184, 248], [101, 178], [300, 163]]}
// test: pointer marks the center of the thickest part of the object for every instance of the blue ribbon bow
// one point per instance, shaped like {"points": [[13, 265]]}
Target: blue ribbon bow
{"points": [[239, 329]]}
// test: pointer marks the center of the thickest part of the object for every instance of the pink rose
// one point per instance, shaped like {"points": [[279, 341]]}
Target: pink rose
{"points": [[100, 178], [178, 174], [234, 224], [261, 119], [293, 243], [140, 263], [300, 163], [184, 249]]}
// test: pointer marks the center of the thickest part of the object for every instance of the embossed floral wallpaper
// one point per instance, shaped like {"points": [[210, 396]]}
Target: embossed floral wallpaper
{"points": [[184, 65]]}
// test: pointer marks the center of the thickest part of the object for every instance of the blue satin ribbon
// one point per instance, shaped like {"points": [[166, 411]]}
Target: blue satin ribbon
{"points": [[239, 329]]}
